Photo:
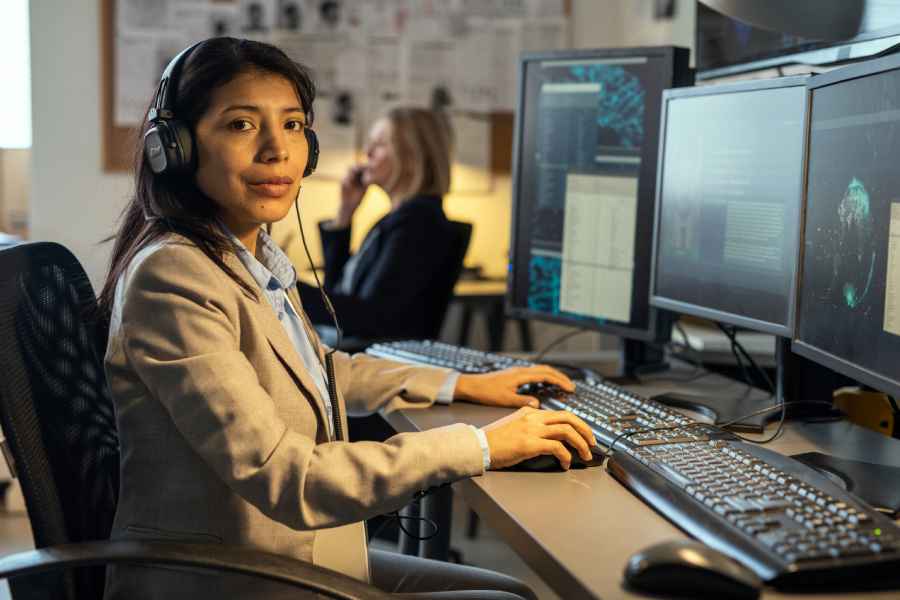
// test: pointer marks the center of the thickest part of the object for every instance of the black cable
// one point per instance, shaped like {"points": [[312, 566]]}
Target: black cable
{"points": [[765, 376], [699, 371], [732, 340], [687, 342], [327, 301], [395, 515], [540, 355], [329, 360], [756, 367], [778, 429], [332, 383], [696, 374], [421, 538]]}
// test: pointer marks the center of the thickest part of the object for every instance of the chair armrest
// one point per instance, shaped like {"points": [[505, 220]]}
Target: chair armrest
{"points": [[216, 557]]}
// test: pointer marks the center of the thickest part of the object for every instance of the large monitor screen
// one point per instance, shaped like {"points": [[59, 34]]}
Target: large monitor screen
{"points": [[726, 46], [728, 208], [584, 174], [849, 296]]}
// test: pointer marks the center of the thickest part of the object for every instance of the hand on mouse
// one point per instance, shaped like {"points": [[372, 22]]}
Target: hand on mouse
{"points": [[529, 432], [352, 191], [500, 387]]}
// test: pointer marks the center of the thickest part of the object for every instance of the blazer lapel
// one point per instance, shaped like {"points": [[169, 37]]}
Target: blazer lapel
{"points": [[367, 254], [294, 297], [279, 340]]}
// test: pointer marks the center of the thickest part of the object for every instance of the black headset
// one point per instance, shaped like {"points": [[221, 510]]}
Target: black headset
{"points": [[169, 141]]}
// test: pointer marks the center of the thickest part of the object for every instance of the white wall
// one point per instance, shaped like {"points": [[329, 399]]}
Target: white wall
{"points": [[73, 202], [615, 23]]}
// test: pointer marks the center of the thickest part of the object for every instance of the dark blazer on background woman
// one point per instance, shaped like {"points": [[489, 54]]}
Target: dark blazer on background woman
{"points": [[383, 290]]}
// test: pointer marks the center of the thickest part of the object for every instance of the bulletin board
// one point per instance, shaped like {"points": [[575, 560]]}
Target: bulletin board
{"points": [[366, 56]]}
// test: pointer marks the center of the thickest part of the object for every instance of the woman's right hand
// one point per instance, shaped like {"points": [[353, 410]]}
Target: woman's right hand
{"points": [[529, 432], [352, 192]]}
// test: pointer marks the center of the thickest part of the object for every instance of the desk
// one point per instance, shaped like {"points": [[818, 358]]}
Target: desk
{"points": [[577, 529]]}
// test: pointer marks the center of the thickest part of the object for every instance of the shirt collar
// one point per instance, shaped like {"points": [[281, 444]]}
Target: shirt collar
{"points": [[273, 270]]}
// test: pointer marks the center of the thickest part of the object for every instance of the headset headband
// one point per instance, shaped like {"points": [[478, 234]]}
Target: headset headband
{"points": [[169, 143], [164, 104]]}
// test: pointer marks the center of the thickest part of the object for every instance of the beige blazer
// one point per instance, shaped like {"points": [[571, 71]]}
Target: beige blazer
{"points": [[223, 435]]}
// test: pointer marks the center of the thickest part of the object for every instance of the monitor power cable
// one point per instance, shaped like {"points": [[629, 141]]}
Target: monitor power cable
{"points": [[559, 340]]}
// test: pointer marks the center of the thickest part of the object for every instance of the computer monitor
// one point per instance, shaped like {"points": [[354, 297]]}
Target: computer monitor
{"points": [[728, 202], [848, 312], [584, 172], [727, 46], [728, 219]]}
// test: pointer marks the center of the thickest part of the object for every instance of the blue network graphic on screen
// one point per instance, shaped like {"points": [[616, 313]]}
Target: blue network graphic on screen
{"points": [[544, 286], [621, 101], [543, 280]]}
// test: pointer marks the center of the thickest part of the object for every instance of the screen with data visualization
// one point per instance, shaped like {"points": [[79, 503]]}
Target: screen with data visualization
{"points": [[728, 204], [849, 294], [585, 164]]}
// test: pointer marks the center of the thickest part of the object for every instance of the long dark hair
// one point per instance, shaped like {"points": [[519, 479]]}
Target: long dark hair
{"points": [[169, 204]]}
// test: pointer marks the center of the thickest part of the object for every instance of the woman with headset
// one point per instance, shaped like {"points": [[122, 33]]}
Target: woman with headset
{"points": [[230, 412], [392, 287]]}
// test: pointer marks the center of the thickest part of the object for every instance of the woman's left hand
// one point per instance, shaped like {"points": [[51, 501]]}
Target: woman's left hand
{"points": [[501, 387]]}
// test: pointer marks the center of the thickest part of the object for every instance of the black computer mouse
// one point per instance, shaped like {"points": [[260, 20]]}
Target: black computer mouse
{"points": [[541, 390], [689, 569], [548, 462]]}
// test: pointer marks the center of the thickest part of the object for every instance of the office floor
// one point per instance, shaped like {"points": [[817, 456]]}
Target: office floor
{"points": [[487, 550]]}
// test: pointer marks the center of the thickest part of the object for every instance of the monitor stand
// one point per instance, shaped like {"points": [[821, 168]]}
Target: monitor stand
{"points": [[865, 474], [642, 358]]}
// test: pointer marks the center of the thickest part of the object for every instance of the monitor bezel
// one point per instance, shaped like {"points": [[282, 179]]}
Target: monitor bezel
{"points": [[688, 308], [659, 325], [798, 346]]}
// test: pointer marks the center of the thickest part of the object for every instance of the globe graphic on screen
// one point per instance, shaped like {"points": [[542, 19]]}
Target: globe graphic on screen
{"points": [[620, 104], [854, 261]]}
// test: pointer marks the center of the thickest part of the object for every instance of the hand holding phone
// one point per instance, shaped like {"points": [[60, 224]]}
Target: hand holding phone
{"points": [[353, 188]]}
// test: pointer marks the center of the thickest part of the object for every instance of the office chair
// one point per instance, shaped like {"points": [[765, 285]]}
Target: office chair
{"points": [[437, 298], [442, 291], [59, 423]]}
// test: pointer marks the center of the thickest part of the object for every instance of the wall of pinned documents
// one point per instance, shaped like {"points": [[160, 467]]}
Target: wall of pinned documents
{"points": [[366, 56]]}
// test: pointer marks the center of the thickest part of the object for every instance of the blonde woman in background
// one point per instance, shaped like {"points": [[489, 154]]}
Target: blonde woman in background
{"points": [[386, 288]]}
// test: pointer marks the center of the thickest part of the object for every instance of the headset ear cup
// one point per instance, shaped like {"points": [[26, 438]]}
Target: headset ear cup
{"points": [[312, 156], [169, 147], [184, 142], [155, 149]]}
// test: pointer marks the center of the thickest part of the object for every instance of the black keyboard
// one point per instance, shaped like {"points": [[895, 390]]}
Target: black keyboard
{"points": [[792, 526], [611, 411], [439, 354], [789, 524], [622, 417]]}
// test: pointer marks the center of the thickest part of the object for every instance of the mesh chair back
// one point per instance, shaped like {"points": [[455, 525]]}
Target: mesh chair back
{"points": [[55, 408], [450, 271]]}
